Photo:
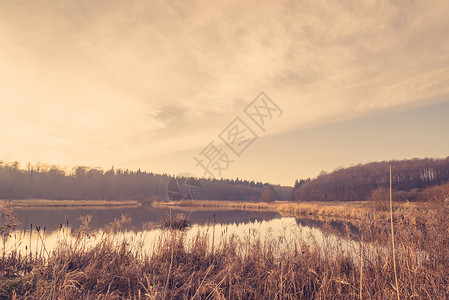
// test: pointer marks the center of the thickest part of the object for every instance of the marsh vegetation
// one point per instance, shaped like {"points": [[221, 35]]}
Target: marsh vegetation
{"points": [[355, 264]]}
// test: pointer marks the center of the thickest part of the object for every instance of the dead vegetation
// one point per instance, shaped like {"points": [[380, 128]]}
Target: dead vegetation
{"points": [[241, 268], [177, 222]]}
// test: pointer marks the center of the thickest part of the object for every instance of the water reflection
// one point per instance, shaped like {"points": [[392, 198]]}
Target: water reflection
{"points": [[286, 233], [52, 218], [338, 227], [280, 233]]}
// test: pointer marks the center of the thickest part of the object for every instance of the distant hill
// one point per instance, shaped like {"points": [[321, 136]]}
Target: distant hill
{"points": [[42, 181], [357, 183]]}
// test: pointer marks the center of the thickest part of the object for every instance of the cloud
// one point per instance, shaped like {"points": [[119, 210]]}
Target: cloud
{"points": [[83, 77]]}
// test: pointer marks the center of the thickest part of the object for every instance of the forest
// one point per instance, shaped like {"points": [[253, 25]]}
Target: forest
{"points": [[361, 182], [356, 183], [43, 181]]}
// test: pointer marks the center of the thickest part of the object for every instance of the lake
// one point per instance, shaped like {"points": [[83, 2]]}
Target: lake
{"points": [[62, 223], [53, 217]]}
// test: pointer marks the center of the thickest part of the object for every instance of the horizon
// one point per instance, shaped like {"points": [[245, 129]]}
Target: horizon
{"points": [[68, 171]]}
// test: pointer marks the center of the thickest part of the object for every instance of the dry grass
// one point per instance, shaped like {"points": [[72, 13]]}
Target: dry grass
{"points": [[241, 269], [347, 210], [176, 222], [71, 203], [361, 210], [219, 204]]}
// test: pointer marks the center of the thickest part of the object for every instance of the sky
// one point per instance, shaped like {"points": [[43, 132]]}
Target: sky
{"points": [[155, 84]]}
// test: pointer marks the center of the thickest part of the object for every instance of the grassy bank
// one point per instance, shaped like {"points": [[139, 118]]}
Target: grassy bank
{"points": [[361, 210], [351, 210], [219, 204], [70, 203]]}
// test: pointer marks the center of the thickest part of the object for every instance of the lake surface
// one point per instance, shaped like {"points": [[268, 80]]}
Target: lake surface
{"points": [[244, 227], [248, 226], [53, 217]]}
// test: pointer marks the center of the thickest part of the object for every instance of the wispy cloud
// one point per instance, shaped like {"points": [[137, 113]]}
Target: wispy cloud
{"points": [[143, 78]]}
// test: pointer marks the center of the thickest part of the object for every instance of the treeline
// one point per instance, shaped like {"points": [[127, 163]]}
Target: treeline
{"points": [[44, 181], [358, 183]]}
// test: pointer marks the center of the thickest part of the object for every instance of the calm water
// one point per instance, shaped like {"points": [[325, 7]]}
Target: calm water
{"points": [[243, 226], [52, 217], [246, 226]]}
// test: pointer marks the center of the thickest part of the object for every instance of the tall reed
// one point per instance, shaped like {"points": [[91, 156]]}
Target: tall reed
{"points": [[241, 268]]}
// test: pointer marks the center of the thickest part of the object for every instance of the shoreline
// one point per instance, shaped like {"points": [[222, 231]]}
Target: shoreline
{"points": [[30, 203], [355, 210], [359, 210]]}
